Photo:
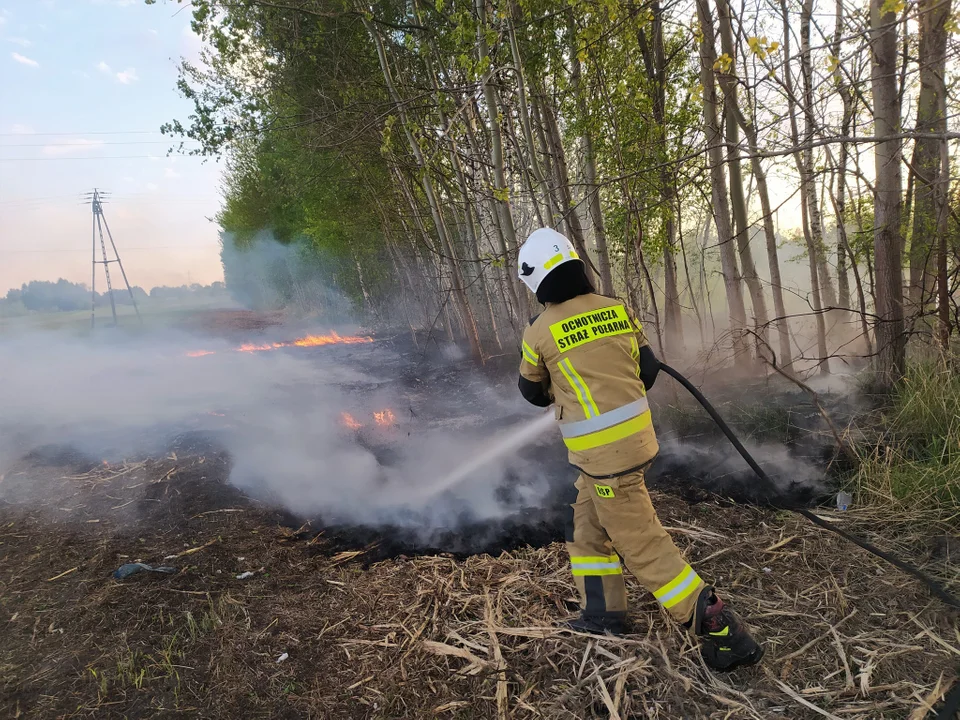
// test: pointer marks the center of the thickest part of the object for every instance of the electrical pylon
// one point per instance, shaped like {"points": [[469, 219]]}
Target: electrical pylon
{"points": [[97, 199]]}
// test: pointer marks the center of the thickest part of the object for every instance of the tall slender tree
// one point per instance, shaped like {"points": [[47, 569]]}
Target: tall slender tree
{"points": [[721, 204], [887, 198]]}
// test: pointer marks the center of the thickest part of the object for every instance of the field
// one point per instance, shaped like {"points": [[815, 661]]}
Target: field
{"points": [[155, 314], [276, 616]]}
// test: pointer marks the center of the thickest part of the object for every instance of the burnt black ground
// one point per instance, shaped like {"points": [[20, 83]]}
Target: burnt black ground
{"points": [[696, 463]]}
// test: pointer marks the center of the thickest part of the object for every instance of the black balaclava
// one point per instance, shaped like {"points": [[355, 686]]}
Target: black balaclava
{"points": [[567, 281]]}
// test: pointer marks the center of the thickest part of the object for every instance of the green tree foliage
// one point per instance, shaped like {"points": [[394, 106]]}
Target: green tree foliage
{"points": [[401, 151]]}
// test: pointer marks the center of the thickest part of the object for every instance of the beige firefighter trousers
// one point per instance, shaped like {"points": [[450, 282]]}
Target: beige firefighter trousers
{"points": [[614, 519]]}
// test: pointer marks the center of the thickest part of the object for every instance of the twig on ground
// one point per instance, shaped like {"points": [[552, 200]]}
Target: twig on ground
{"points": [[802, 650]]}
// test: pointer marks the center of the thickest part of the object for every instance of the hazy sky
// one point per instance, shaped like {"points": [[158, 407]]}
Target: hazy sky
{"points": [[84, 87]]}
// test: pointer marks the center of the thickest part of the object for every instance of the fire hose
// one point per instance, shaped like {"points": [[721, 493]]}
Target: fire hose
{"points": [[952, 702]]}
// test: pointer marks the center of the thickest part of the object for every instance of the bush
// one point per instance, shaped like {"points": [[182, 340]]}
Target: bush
{"points": [[917, 460]]}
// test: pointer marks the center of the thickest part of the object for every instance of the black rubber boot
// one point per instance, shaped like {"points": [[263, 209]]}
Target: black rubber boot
{"points": [[725, 642], [598, 625]]}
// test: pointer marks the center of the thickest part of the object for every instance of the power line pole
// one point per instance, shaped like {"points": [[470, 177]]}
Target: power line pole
{"points": [[97, 199]]}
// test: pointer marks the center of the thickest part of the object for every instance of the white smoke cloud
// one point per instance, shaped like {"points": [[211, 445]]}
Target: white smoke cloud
{"points": [[282, 423]]}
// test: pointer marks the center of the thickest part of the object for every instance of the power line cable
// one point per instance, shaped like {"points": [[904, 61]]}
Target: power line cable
{"points": [[95, 132], [157, 247], [99, 144], [101, 157]]}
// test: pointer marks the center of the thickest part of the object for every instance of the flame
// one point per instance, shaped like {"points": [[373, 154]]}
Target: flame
{"points": [[308, 341], [331, 339], [348, 420], [256, 348], [384, 418]]}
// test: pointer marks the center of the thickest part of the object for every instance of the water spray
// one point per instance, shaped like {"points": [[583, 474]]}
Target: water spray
{"points": [[510, 440]]}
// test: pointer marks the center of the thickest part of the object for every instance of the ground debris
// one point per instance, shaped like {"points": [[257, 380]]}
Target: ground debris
{"points": [[192, 550], [409, 635]]}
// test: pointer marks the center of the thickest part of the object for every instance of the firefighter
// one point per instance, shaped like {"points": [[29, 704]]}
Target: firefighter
{"points": [[586, 355]]}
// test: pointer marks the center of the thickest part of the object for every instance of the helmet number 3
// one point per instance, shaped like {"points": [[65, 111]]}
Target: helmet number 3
{"points": [[556, 248]]}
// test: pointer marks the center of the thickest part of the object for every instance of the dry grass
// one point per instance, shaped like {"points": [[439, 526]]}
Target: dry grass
{"points": [[420, 637]]}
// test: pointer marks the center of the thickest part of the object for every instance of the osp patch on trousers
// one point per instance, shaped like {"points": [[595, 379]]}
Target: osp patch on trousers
{"points": [[614, 524]]}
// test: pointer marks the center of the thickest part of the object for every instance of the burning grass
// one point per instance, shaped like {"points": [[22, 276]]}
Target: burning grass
{"points": [[411, 637], [309, 341]]}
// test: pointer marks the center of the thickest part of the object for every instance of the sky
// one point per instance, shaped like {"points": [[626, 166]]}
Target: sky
{"points": [[84, 88]]}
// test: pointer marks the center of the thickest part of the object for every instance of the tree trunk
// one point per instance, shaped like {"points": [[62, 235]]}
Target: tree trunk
{"points": [[470, 228], [704, 284], [686, 269], [460, 295], [846, 252], [728, 83], [827, 293], [436, 256], [630, 278], [515, 294], [929, 187], [638, 248], [843, 280], [846, 97], [721, 207], [943, 289], [591, 188], [523, 111], [655, 62], [806, 190], [570, 214], [500, 191], [891, 341], [773, 257]]}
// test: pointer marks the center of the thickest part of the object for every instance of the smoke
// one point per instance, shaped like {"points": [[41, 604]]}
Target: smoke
{"points": [[264, 274], [278, 414], [716, 467]]}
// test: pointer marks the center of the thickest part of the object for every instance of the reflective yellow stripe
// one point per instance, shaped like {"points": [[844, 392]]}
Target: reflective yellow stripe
{"points": [[673, 584], [584, 565], [610, 435], [722, 633], [580, 388], [605, 420], [594, 558], [679, 589], [529, 355], [553, 261]]}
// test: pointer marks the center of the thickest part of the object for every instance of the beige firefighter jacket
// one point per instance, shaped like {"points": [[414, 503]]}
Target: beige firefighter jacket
{"points": [[586, 351]]}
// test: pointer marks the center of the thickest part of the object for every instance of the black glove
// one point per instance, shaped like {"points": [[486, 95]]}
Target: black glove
{"points": [[534, 393], [649, 366]]}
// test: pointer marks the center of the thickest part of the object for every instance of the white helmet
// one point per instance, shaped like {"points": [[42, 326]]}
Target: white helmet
{"points": [[544, 250]]}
